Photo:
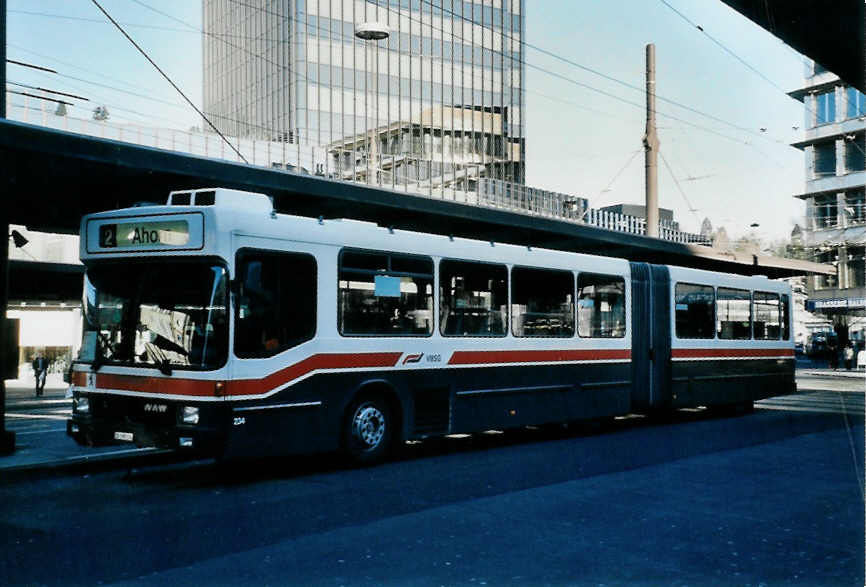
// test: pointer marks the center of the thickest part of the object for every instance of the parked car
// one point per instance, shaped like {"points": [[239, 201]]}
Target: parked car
{"points": [[817, 343]]}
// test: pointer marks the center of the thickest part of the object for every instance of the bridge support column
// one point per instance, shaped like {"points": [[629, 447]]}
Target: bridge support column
{"points": [[7, 438]]}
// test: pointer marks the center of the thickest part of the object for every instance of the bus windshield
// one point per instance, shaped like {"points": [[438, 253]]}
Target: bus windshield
{"points": [[166, 313]]}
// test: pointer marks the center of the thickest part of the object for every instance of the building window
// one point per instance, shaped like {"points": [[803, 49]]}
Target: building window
{"points": [[733, 314], [695, 307], [855, 152], [825, 211], [830, 257], [855, 206], [825, 107], [825, 158], [856, 267], [856, 102], [473, 299]]}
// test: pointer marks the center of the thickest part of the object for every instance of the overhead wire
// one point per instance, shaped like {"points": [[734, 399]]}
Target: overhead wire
{"points": [[691, 208], [523, 62], [41, 89], [625, 84], [333, 34], [85, 69], [169, 80], [746, 64], [123, 91], [612, 181], [145, 117]]}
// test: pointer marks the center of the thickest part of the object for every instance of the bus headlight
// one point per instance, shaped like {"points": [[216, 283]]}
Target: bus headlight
{"points": [[190, 415], [81, 405]]}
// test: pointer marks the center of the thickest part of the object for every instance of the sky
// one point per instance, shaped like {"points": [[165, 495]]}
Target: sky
{"points": [[582, 136]]}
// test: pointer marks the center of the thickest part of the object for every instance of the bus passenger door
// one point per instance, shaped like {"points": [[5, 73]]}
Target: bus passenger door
{"points": [[651, 337]]}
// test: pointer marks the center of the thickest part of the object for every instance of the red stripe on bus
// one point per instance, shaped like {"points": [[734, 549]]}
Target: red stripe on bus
{"points": [[557, 356], [206, 388], [316, 362], [729, 353], [172, 386]]}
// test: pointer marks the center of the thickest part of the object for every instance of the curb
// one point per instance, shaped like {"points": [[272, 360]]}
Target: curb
{"points": [[827, 373], [86, 464]]}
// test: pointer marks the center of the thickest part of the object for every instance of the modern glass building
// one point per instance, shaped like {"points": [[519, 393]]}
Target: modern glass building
{"points": [[437, 104], [835, 196]]}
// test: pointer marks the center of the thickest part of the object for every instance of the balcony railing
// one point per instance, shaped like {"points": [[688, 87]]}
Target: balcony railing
{"points": [[826, 216]]}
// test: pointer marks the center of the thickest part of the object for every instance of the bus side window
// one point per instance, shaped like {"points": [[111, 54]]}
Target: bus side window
{"points": [[473, 298], [733, 313], [542, 302], [276, 302], [766, 313], [384, 294], [694, 310], [600, 306], [785, 317]]}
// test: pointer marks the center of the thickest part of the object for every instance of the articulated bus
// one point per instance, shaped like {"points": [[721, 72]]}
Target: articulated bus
{"points": [[215, 324]]}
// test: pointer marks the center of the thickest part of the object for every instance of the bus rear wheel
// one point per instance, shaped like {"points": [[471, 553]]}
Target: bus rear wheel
{"points": [[368, 430]]}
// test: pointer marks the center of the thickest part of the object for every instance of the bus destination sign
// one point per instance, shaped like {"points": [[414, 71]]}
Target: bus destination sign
{"points": [[171, 233]]}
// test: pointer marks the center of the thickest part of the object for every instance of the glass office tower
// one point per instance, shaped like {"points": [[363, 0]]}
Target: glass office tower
{"points": [[438, 104]]}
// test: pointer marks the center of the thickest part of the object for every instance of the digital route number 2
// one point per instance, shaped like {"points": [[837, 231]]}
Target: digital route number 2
{"points": [[108, 236]]}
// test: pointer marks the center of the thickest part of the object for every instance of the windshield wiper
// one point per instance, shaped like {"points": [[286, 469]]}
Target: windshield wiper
{"points": [[164, 367]]}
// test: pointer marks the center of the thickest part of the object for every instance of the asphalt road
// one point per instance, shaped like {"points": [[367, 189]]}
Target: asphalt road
{"points": [[775, 497]]}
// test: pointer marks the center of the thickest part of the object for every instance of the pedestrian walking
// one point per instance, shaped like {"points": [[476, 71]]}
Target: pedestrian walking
{"points": [[40, 371], [832, 354], [849, 356]]}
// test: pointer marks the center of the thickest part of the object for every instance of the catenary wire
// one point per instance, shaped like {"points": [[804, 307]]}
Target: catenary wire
{"points": [[746, 64], [536, 67], [691, 208], [523, 62], [152, 62]]}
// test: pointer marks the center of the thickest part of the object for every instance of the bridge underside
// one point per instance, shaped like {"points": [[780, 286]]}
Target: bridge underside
{"points": [[831, 33]]}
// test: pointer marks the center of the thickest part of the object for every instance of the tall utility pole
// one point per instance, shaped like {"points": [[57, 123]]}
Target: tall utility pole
{"points": [[651, 146]]}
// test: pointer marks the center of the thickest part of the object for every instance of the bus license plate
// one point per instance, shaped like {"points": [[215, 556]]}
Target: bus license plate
{"points": [[124, 436]]}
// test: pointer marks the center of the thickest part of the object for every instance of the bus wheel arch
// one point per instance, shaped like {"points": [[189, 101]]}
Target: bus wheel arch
{"points": [[372, 422]]}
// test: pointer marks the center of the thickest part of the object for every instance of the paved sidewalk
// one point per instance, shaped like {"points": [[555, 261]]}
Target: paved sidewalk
{"points": [[41, 444]]}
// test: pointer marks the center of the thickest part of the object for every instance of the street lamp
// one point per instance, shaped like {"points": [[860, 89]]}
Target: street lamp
{"points": [[373, 31]]}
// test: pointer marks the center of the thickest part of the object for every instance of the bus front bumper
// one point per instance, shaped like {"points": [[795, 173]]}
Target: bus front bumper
{"points": [[87, 430]]}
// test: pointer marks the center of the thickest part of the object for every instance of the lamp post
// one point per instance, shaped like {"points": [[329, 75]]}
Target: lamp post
{"points": [[375, 32]]}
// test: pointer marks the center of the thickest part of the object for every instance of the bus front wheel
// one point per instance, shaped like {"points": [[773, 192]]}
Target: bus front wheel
{"points": [[368, 430]]}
